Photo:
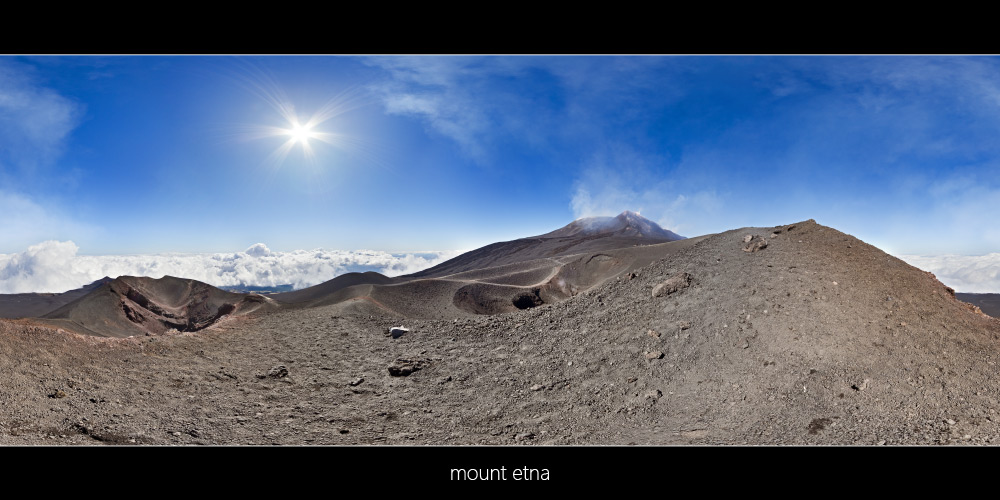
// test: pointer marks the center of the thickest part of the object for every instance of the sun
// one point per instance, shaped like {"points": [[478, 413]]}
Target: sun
{"points": [[305, 132], [300, 133]]}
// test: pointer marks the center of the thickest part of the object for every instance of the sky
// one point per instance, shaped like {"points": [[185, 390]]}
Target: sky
{"points": [[305, 167]]}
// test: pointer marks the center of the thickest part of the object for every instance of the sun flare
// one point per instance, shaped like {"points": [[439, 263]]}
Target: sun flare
{"points": [[304, 132], [301, 133]]}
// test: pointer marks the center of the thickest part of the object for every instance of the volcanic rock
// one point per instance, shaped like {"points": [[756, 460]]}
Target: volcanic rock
{"points": [[754, 243], [403, 367], [675, 283]]}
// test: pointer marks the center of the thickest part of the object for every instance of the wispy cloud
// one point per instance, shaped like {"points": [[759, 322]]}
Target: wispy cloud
{"points": [[25, 220], [482, 102], [54, 266], [619, 178], [441, 92], [35, 123], [34, 120], [898, 150], [889, 109]]}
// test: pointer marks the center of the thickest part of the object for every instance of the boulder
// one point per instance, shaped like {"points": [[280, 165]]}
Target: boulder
{"points": [[280, 371], [403, 367], [675, 283], [753, 244]]}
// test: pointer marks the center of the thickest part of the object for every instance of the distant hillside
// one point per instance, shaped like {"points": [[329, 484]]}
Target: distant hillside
{"points": [[30, 305], [504, 276], [263, 290], [138, 306], [989, 303], [590, 234]]}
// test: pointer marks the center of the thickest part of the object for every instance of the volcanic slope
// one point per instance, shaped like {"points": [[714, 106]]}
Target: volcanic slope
{"points": [[807, 337], [587, 235], [129, 306], [801, 335], [27, 305], [506, 276]]}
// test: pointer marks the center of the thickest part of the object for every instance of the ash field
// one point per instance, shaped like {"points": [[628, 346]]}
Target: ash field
{"points": [[609, 331]]}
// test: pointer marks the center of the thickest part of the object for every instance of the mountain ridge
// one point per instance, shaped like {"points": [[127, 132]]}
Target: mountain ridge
{"points": [[582, 235]]}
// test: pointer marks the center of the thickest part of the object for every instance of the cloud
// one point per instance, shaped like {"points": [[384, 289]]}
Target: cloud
{"points": [[619, 178], [944, 215], [54, 266], [258, 250], [25, 220], [904, 110], [894, 149], [34, 120], [45, 267], [438, 92], [483, 102], [964, 273], [35, 123]]}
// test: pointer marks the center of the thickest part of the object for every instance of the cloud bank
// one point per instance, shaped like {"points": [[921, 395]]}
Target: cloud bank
{"points": [[964, 273], [54, 266]]}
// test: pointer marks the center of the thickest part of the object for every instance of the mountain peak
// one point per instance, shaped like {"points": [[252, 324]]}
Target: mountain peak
{"points": [[627, 223]]}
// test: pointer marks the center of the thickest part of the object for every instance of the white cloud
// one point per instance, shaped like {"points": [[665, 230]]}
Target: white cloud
{"points": [[25, 220], [411, 104], [530, 99], [53, 266], [45, 267], [34, 120], [258, 250], [964, 273], [438, 91], [619, 179]]}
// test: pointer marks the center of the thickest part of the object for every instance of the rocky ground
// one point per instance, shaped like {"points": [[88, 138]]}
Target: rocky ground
{"points": [[800, 335]]}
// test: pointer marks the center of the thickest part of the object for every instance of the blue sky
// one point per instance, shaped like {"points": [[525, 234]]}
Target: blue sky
{"points": [[134, 155]]}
